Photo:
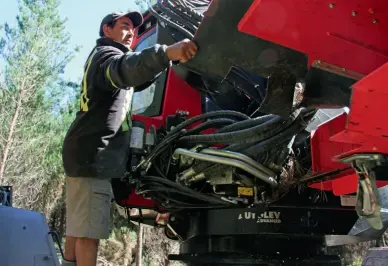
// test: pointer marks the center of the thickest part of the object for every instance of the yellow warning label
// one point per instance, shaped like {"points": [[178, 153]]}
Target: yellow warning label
{"points": [[245, 191]]}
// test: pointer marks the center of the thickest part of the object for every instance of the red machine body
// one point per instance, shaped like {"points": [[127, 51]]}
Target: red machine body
{"points": [[350, 38], [178, 95], [347, 34]]}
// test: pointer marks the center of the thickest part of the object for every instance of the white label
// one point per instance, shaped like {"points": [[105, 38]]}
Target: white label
{"points": [[270, 217], [137, 138], [347, 200]]}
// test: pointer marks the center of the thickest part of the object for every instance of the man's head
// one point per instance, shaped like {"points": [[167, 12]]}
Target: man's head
{"points": [[120, 26]]}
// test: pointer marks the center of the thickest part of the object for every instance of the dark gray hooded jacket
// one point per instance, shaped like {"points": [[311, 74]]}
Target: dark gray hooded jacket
{"points": [[97, 142]]}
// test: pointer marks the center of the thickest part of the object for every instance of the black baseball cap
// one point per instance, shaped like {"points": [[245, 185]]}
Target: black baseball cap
{"points": [[134, 16]]}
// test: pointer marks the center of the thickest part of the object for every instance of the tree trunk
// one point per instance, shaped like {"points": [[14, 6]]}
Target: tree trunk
{"points": [[139, 251], [11, 130]]}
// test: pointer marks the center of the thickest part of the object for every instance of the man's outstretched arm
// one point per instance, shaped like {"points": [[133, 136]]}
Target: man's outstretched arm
{"points": [[136, 68]]}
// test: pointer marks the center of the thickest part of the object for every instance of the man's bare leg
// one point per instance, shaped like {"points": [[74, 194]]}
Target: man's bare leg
{"points": [[88, 203], [70, 248], [86, 250]]}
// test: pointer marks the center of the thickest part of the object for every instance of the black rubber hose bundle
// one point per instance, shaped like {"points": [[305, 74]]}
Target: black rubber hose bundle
{"points": [[201, 166], [183, 15], [273, 142], [211, 124], [172, 24], [296, 117], [246, 124], [293, 126], [176, 132], [219, 114], [184, 7], [178, 17], [296, 127], [258, 132]]}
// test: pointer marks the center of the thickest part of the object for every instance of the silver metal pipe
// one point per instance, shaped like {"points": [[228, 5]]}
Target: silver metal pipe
{"points": [[228, 161], [241, 157], [187, 176]]}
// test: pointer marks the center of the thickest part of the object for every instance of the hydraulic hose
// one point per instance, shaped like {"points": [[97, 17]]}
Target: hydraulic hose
{"points": [[178, 17], [210, 124], [258, 132], [280, 138], [274, 141], [183, 15], [176, 132], [246, 124], [183, 5], [297, 119], [215, 114], [171, 24], [201, 166]]}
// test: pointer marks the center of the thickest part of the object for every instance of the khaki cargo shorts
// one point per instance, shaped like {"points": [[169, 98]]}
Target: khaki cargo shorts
{"points": [[88, 207]]}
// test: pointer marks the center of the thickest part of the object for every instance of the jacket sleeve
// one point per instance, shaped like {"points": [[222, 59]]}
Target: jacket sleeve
{"points": [[133, 69]]}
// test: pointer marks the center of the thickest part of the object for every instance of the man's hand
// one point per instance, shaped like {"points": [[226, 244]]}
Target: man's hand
{"points": [[182, 51]]}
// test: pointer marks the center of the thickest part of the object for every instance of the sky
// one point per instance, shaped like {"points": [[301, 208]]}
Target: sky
{"points": [[84, 18]]}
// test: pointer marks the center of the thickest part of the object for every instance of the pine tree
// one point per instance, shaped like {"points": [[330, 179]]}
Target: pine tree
{"points": [[144, 4], [35, 104]]}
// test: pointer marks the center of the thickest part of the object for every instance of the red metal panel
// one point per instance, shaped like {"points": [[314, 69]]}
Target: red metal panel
{"points": [[323, 150], [137, 201], [346, 185], [367, 123], [349, 34], [178, 96], [364, 131]]}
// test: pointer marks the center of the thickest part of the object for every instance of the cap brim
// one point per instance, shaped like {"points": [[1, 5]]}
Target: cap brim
{"points": [[135, 17]]}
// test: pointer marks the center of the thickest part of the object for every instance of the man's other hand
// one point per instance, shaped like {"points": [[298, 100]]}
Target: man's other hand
{"points": [[182, 51]]}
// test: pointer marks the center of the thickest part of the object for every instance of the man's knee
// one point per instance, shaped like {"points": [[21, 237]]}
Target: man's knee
{"points": [[87, 242]]}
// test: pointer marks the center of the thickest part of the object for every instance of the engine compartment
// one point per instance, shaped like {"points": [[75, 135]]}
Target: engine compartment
{"points": [[237, 148], [179, 161]]}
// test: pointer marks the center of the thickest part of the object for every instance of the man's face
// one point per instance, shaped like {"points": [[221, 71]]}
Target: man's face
{"points": [[122, 31]]}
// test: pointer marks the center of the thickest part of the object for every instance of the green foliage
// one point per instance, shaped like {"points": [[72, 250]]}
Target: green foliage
{"points": [[36, 105], [38, 45], [144, 4], [357, 262]]}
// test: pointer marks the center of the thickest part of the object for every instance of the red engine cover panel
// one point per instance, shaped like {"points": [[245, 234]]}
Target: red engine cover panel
{"points": [[349, 34], [367, 123], [178, 96], [323, 149], [364, 130]]}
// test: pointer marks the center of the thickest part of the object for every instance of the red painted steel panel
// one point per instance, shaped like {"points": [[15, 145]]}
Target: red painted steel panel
{"points": [[365, 130], [367, 123], [349, 34]]}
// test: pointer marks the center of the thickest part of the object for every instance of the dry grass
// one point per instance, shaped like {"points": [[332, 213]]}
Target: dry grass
{"points": [[120, 248]]}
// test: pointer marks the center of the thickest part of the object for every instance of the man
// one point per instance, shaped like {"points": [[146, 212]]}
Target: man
{"points": [[96, 145]]}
